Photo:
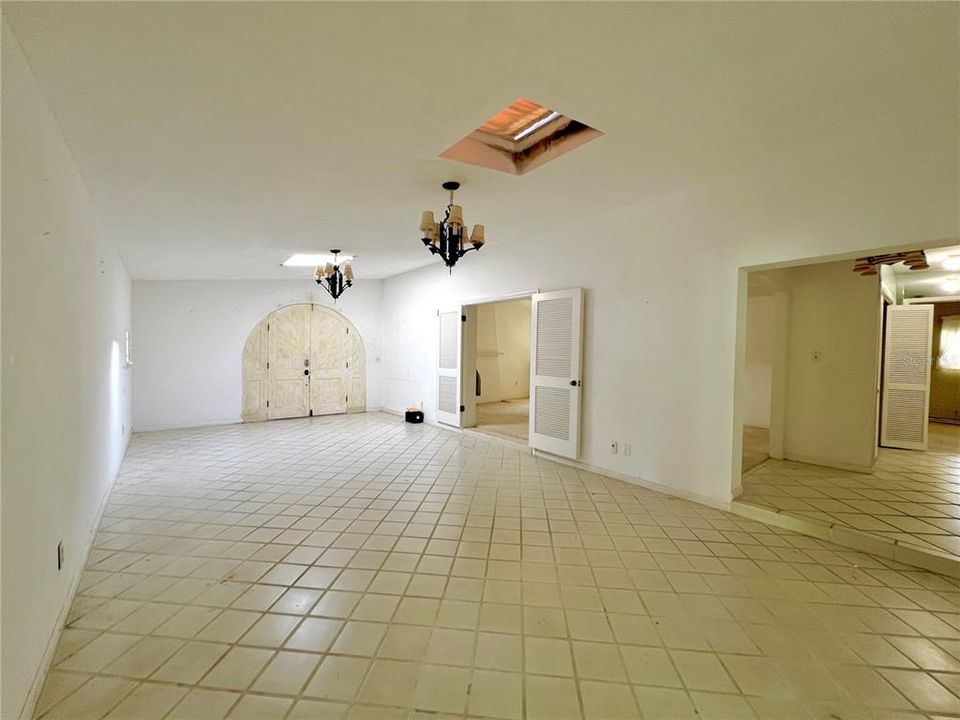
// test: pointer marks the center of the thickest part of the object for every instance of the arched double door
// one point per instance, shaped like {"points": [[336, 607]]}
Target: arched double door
{"points": [[302, 360]]}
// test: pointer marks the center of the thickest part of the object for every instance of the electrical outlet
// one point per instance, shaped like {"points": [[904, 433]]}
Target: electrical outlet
{"points": [[613, 447], [60, 555], [627, 449]]}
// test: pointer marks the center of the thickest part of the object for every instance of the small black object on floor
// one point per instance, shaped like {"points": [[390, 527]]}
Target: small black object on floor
{"points": [[414, 416]]}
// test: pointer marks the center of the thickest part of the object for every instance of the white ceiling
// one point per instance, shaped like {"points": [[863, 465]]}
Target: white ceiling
{"points": [[219, 138]]}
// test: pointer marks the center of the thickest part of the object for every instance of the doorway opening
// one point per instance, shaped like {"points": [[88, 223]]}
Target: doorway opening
{"points": [[539, 333], [303, 360], [857, 375], [501, 361]]}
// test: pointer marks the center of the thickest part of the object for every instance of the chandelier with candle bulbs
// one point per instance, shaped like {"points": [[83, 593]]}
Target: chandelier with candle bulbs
{"points": [[448, 238], [332, 279]]}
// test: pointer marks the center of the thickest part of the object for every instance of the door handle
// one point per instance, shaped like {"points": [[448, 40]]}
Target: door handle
{"points": [[306, 372], [575, 383]]}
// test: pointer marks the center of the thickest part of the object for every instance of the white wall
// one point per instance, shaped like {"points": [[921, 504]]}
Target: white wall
{"points": [[662, 283], [831, 400], [759, 361], [65, 405], [503, 350], [188, 338]]}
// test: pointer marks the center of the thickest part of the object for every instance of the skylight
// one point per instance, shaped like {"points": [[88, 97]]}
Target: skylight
{"points": [[521, 137], [310, 260]]}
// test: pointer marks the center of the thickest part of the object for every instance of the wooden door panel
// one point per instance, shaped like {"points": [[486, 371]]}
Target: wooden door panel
{"points": [[289, 341], [328, 361]]}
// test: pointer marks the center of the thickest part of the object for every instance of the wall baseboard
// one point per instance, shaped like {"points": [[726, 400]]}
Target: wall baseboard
{"points": [[827, 462], [187, 426], [616, 475], [36, 686], [637, 480]]}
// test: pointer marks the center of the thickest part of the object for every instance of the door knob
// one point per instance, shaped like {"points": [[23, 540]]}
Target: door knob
{"points": [[306, 372], [574, 383]]}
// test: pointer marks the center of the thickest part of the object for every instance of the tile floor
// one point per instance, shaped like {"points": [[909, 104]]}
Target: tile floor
{"points": [[509, 419], [360, 567], [912, 497]]}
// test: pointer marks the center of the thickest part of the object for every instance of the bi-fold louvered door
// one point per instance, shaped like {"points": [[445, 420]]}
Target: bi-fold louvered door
{"points": [[448, 365], [556, 338], [906, 376]]}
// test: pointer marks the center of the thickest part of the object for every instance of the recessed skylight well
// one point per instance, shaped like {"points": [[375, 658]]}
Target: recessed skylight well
{"points": [[310, 260], [521, 137]]}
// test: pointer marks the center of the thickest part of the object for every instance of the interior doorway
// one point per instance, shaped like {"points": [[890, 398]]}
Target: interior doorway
{"points": [[501, 388], [863, 382], [303, 360], [537, 357]]}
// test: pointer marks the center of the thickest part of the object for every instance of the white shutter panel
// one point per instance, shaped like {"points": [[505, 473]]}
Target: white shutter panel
{"points": [[448, 367], [906, 376], [556, 339]]}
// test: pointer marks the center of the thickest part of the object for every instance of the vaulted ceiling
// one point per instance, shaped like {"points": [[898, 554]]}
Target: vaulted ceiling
{"points": [[219, 138]]}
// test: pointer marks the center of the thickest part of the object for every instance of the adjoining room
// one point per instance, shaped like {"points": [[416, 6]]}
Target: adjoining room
{"points": [[856, 366], [502, 393]]}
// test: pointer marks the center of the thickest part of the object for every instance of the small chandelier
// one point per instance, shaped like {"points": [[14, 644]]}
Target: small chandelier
{"points": [[448, 237], [332, 279]]}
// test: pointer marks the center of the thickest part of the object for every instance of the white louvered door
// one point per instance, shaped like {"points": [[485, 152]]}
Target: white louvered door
{"points": [[906, 376], [556, 340], [448, 366]]}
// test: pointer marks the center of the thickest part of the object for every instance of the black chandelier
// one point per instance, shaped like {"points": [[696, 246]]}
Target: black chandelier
{"points": [[332, 279], [447, 238]]}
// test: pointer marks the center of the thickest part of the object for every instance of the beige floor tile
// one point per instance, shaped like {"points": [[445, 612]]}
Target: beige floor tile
{"points": [[455, 647], [359, 638], [314, 634], [237, 669], [547, 656], [499, 652], [702, 671], [496, 694], [149, 701], [338, 678], [315, 709], [405, 642], [57, 686], [144, 657], [924, 691], [93, 699], [659, 702], [429, 562], [390, 682], [598, 661], [99, 653], [270, 630], [442, 689], [287, 673], [550, 698], [258, 707], [191, 662], [206, 704], [229, 626], [606, 701]]}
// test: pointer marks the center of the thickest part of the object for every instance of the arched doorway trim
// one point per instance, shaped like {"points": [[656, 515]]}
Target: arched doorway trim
{"points": [[303, 359]]}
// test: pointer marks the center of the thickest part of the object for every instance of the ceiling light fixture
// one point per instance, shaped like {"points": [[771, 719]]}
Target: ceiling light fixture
{"points": [[336, 280], [448, 237], [311, 260]]}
